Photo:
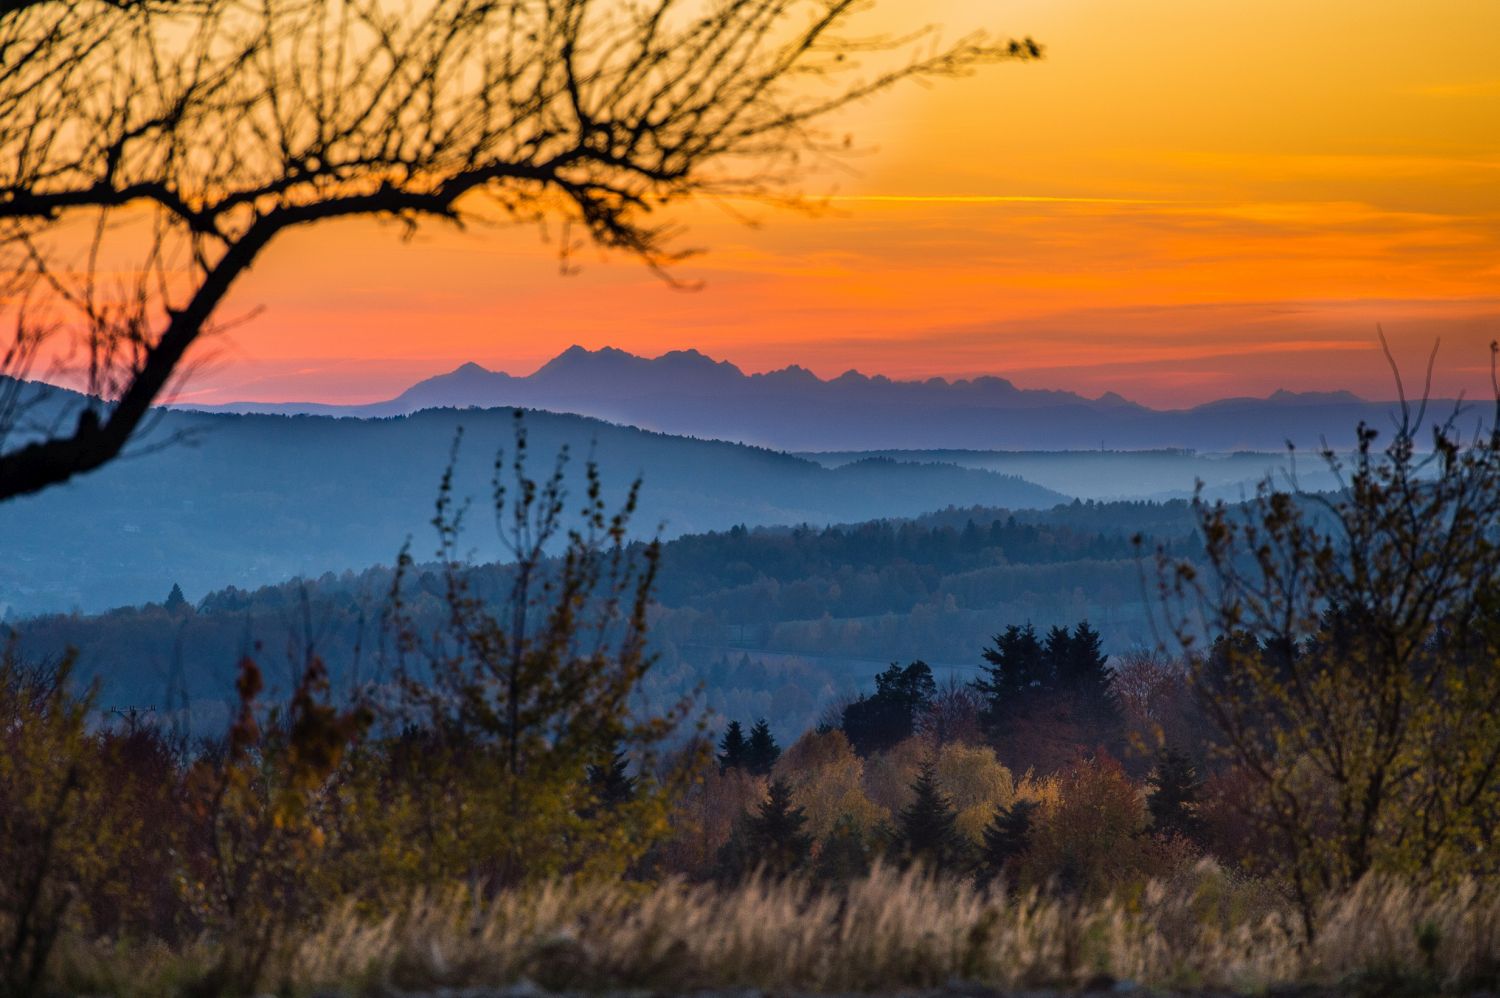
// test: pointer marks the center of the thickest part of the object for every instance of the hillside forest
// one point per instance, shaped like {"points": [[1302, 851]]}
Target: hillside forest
{"points": [[514, 734]]}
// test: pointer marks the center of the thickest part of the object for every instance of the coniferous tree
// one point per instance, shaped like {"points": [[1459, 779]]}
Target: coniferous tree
{"points": [[610, 783], [1007, 839], [175, 600], [735, 860], [1174, 794], [761, 751], [912, 687], [1014, 668], [927, 829], [902, 693], [733, 748], [844, 855], [772, 839], [1057, 654], [1084, 671]]}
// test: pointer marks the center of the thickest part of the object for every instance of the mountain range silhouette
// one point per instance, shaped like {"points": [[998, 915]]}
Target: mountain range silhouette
{"points": [[686, 392]]}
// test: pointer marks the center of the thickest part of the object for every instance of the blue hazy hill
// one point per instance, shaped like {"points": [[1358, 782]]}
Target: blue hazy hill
{"points": [[208, 500]]}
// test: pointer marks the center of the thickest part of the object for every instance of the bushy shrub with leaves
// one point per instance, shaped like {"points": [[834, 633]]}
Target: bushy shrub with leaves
{"points": [[262, 810], [1351, 674], [53, 853], [505, 702]]}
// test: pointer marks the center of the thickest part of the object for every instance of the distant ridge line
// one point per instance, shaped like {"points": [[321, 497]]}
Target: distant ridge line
{"points": [[687, 392]]}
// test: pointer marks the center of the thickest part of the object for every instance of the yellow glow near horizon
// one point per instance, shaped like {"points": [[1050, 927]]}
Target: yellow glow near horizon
{"points": [[1183, 200]]}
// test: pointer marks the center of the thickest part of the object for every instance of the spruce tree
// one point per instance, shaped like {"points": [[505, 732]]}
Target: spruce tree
{"points": [[175, 600], [734, 860], [761, 752], [844, 855], [1007, 838], [732, 747], [772, 839], [927, 829], [610, 784], [1014, 667], [1084, 672], [1174, 795], [1057, 655], [776, 833]]}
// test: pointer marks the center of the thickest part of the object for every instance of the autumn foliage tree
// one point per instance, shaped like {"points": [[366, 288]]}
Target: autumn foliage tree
{"points": [[506, 700], [1353, 677], [54, 847], [262, 814]]}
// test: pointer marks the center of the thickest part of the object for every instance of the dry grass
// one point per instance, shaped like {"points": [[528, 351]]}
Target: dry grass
{"points": [[1206, 930]]}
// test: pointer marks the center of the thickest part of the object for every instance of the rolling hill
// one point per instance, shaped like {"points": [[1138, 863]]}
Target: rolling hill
{"points": [[208, 500]]}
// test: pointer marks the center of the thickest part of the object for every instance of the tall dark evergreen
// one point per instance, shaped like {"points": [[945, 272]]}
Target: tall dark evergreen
{"points": [[611, 784], [772, 839], [1007, 839], [1084, 672], [1014, 668], [912, 686], [927, 829], [878, 722], [1174, 795], [175, 600], [844, 855], [733, 749], [1024, 674], [1057, 651], [761, 752]]}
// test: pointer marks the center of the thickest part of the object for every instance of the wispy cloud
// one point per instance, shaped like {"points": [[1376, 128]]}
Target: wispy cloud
{"points": [[993, 199]]}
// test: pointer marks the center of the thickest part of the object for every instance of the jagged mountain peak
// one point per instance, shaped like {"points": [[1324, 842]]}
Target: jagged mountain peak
{"points": [[688, 392]]}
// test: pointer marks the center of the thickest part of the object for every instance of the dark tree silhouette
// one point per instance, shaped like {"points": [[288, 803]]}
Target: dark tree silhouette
{"points": [[1057, 649], [1014, 665], [843, 856], [927, 829], [761, 752], [733, 749], [1082, 670], [192, 136], [1375, 745], [175, 600], [1174, 794], [1007, 838], [771, 840], [611, 783], [1027, 680], [902, 695]]}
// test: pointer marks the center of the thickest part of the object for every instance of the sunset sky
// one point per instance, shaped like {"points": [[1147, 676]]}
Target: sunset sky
{"points": [[1184, 200]]}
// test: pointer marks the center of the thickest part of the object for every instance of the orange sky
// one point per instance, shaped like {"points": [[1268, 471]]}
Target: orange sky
{"points": [[1185, 200]]}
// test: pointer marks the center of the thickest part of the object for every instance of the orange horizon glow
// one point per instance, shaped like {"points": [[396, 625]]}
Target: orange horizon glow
{"points": [[1181, 202]]}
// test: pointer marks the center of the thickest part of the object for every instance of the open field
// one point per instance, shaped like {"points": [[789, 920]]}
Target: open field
{"points": [[1207, 932]]}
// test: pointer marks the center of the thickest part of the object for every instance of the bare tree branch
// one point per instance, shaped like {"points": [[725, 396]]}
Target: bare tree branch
{"points": [[227, 122]]}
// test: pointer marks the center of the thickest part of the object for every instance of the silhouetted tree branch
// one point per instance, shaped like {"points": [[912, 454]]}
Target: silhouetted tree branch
{"points": [[219, 125]]}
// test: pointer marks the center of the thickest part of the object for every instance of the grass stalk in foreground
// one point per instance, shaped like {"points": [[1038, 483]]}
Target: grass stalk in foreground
{"points": [[889, 931]]}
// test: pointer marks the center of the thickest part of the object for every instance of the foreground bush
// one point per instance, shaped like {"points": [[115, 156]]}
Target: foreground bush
{"points": [[885, 932]]}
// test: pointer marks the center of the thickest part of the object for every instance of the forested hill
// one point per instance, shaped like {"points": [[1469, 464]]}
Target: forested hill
{"points": [[776, 622], [210, 500]]}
